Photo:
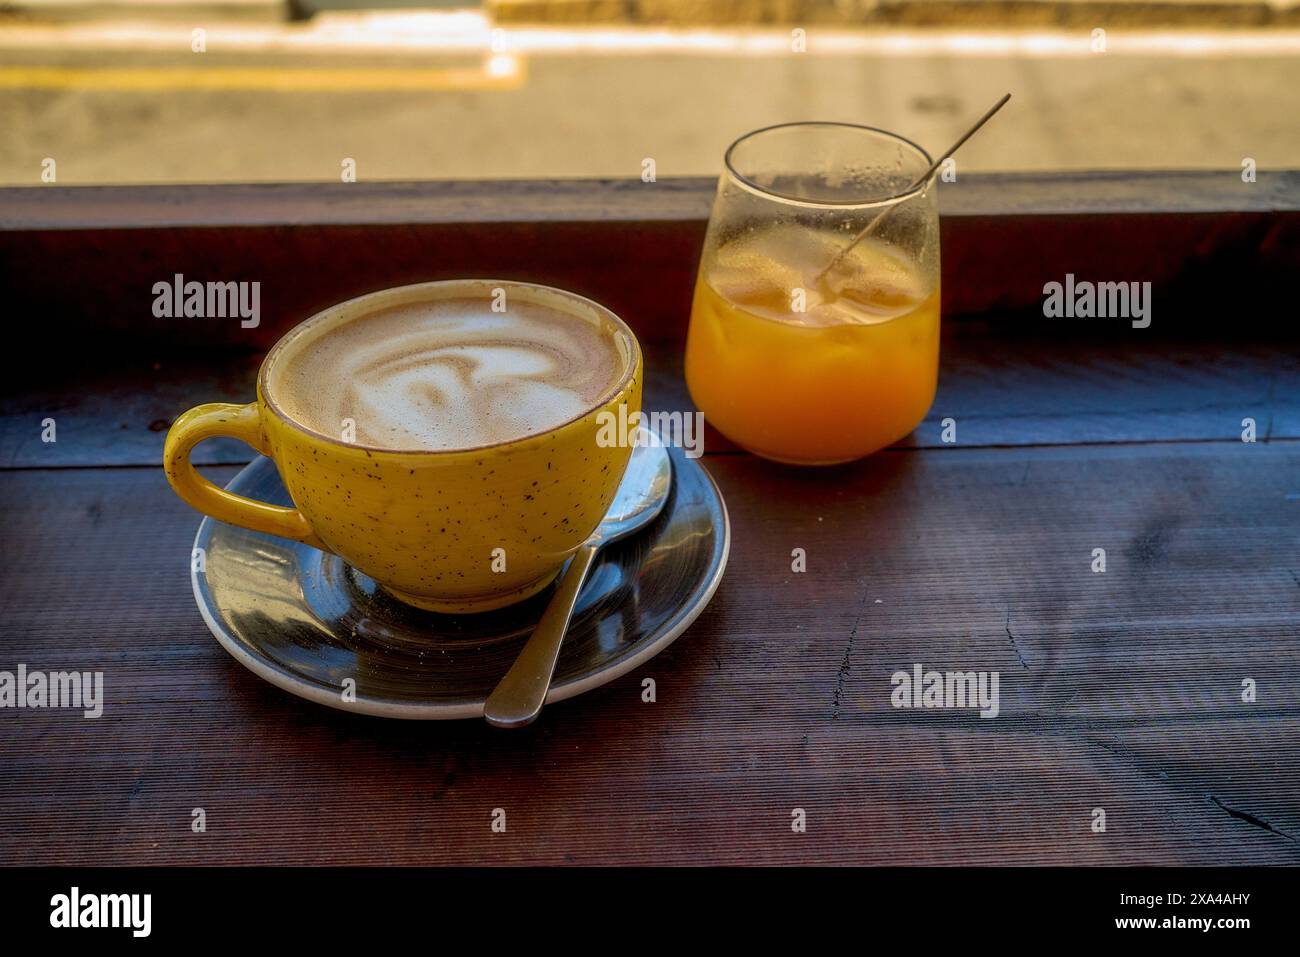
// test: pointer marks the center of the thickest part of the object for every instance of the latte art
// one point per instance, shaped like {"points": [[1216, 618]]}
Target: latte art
{"points": [[448, 374]]}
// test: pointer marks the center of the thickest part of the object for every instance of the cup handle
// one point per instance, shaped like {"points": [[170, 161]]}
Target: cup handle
{"points": [[241, 422]]}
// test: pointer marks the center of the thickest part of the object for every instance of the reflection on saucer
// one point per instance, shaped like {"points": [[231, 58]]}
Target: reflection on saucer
{"points": [[307, 622]]}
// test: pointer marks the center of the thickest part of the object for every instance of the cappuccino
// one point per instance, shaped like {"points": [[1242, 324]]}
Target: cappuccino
{"points": [[447, 374], [421, 434]]}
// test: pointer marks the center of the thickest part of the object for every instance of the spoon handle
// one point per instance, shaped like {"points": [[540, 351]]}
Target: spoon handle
{"points": [[517, 700]]}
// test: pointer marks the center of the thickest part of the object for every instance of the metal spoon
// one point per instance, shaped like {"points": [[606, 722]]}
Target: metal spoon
{"points": [[819, 279], [518, 699]]}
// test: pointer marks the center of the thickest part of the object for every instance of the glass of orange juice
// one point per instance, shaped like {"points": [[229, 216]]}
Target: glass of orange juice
{"points": [[791, 361]]}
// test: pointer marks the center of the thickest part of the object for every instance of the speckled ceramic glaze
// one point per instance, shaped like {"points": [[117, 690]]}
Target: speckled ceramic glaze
{"points": [[306, 622], [426, 524]]}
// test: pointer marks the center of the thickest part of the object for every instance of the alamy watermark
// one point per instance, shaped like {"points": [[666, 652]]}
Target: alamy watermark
{"points": [[1098, 300], [946, 689], [75, 909], [208, 300], [54, 689], [621, 429]]}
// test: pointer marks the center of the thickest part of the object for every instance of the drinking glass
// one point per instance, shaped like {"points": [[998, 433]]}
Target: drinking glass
{"points": [[790, 360]]}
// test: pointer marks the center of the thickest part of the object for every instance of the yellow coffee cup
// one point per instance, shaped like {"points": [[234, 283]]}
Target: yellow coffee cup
{"points": [[461, 530]]}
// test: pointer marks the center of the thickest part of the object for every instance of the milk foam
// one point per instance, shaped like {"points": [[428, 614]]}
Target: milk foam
{"points": [[448, 374]]}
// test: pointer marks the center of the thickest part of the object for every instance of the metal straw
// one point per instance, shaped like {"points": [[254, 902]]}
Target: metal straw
{"points": [[923, 178]]}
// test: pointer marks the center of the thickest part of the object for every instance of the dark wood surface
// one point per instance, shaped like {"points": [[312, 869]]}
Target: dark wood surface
{"points": [[597, 200], [1209, 244], [1118, 690]]}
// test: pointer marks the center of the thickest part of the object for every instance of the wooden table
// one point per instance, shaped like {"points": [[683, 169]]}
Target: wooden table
{"points": [[1120, 690]]}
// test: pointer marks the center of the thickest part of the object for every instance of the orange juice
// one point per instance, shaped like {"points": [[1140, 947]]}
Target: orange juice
{"points": [[812, 373]]}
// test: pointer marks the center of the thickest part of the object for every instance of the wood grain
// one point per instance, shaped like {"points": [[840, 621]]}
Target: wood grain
{"points": [[1119, 690], [632, 246], [1000, 388], [608, 200]]}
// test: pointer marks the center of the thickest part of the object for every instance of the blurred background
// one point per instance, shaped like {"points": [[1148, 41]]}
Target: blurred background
{"points": [[169, 91]]}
